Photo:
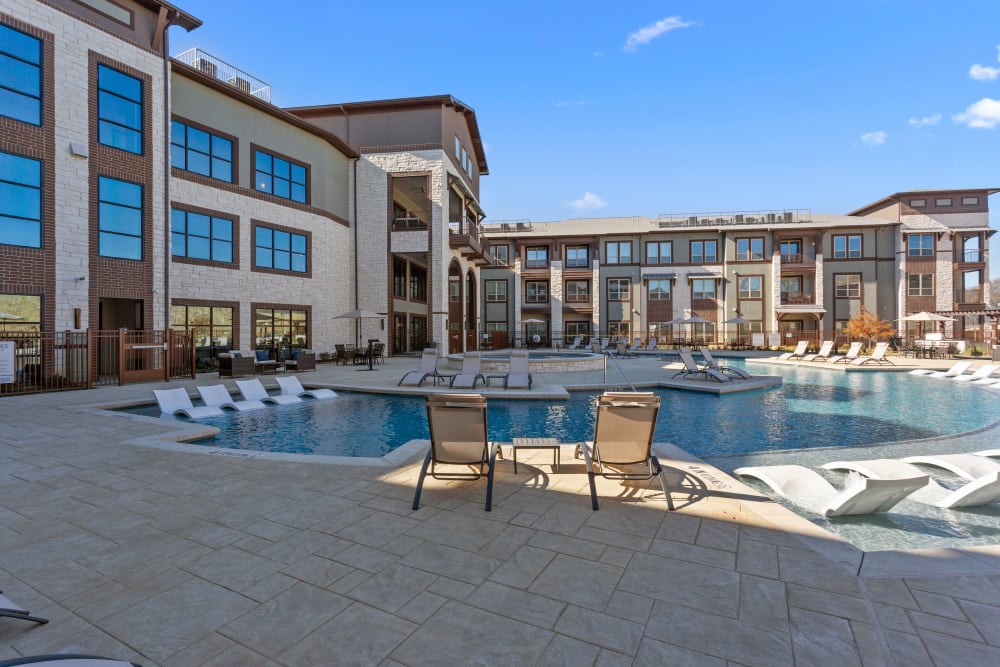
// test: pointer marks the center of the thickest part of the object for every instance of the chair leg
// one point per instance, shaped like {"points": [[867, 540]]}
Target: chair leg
{"points": [[590, 475], [23, 615], [489, 476], [658, 469], [420, 480]]}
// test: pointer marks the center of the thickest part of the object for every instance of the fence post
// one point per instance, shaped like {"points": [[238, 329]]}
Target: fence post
{"points": [[121, 358], [168, 353], [89, 362]]}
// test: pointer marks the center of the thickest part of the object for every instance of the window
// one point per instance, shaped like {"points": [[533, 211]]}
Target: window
{"points": [[536, 291], [119, 110], [20, 76], [458, 147], [618, 328], [398, 278], [970, 201], [200, 236], [847, 286], [496, 326], [791, 290], [619, 289], [748, 250], [119, 218], [703, 288], [918, 203], [920, 245], [577, 257], [280, 250], [942, 201], [577, 291], [659, 290], [921, 284], [280, 177], [750, 287], [418, 284], [659, 252], [576, 328], [847, 246], [703, 330], [211, 326], [619, 252], [536, 258], [26, 311], [496, 290], [201, 152], [277, 328], [500, 254], [20, 201], [704, 252]]}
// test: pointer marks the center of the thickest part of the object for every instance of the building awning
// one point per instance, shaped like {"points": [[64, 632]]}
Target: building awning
{"points": [[659, 276]]}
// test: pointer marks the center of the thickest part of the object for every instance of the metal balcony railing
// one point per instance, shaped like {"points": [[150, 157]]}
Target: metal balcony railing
{"points": [[798, 258], [408, 223], [223, 71], [967, 296], [973, 257], [734, 218], [797, 298]]}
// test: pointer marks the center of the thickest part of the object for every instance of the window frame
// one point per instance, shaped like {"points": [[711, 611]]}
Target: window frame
{"points": [[921, 289], [536, 263], [659, 246], [105, 121], [619, 258], [921, 250], [212, 239], [750, 288], [657, 294], [702, 292], [541, 289], [847, 252], [39, 66], [494, 295], [703, 257], [39, 203], [232, 161], [749, 254], [574, 295], [845, 291], [576, 262], [258, 151], [496, 255], [619, 290], [258, 225], [104, 231]]}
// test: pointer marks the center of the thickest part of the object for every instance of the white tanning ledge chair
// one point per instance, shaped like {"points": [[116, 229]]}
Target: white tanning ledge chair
{"points": [[253, 390], [290, 386], [981, 491], [177, 402], [966, 466], [217, 396]]}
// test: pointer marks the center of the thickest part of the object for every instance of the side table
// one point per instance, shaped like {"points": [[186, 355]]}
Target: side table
{"points": [[537, 443]]}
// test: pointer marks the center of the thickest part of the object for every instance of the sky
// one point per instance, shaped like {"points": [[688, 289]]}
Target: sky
{"points": [[597, 109]]}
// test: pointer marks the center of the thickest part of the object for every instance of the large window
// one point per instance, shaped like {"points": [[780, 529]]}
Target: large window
{"points": [[847, 286], [536, 291], [212, 327], [576, 328], [659, 290], [704, 252], [200, 236], [24, 313], [500, 254], [748, 250], [750, 287], [703, 288], [619, 289], [920, 245], [577, 291], [847, 246], [619, 252], [496, 290], [20, 76], [119, 110], [200, 152], [536, 258], [280, 177], [921, 284], [280, 329], [20, 201], [418, 283], [577, 257], [280, 250], [659, 252], [119, 218]]}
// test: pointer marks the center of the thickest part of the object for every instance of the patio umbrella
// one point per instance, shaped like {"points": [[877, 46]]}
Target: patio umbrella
{"points": [[532, 320], [739, 319], [359, 315], [924, 316]]}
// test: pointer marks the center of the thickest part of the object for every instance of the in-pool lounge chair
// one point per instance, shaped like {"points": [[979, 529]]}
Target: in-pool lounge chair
{"points": [[807, 487], [518, 375], [800, 351], [824, 352], [177, 402], [692, 369], [217, 396], [966, 466], [67, 660], [253, 390], [457, 424], [9, 609], [471, 372], [428, 368], [877, 356], [852, 353], [953, 372], [623, 441], [713, 363], [980, 376], [290, 386], [981, 491]]}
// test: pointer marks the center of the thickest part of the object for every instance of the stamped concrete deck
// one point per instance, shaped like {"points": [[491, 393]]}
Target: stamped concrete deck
{"points": [[172, 558]]}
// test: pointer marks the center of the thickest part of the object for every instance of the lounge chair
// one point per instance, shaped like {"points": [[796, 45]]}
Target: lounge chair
{"points": [[651, 344], [623, 439], [807, 487], [217, 396], [852, 353], [982, 491], [955, 371], [982, 373], [177, 402], [728, 370], [457, 424], [800, 351], [966, 466], [636, 345], [604, 344], [11, 610], [290, 386], [693, 369], [575, 345], [824, 352], [428, 368], [518, 376], [67, 660], [471, 372], [623, 352], [877, 356], [253, 390]]}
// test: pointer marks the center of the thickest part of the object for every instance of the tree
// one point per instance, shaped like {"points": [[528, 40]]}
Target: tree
{"points": [[867, 326], [995, 292]]}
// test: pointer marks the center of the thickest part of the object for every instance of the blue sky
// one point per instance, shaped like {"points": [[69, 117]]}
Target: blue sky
{"points": [[596, 109]]}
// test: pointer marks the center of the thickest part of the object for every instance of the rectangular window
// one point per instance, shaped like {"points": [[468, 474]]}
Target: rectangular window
{"points": [[703, 288], [847, 246], [20, 76], [659, 252], [619, 252], [201, 152], [942, 201], [577, 257], [575, 328], [577, 291], [280, 250], [536, 291], [536, 258], [918, 203], [418, 284], [200, 236], [212, 327], [920, 245], [119, 218], [704, 252], [458, 147], [500, 254], [750, 287], [24, 314], [398, 278], [847, 286], [619, 289], [659, 290], [119, 110], [970, 201], [496, 290], [921, 284], [280, 177], [280, 328], [20, 201], [748, 250]]}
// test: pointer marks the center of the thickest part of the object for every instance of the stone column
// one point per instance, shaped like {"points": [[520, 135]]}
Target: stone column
{"points": [[556, 301]]}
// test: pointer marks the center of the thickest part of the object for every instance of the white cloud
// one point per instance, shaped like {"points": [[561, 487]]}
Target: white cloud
{"points": [[588, 201], [570, 103], [925, 121], [874, 138], [651, 32], [983, 73], [984, 114]]}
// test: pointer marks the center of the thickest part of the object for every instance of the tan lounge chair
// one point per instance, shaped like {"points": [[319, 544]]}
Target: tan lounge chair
{"points": [[800, 351], [471, 372], [518, 376], [428, 368], [877, 356], [728, 370], [852, 353], [824, 352], [457, 424], [11, 610], [691, 368]]}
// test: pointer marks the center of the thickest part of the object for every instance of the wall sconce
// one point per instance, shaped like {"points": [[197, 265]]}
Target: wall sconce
{"points": [[79, 279], [76, 318]]}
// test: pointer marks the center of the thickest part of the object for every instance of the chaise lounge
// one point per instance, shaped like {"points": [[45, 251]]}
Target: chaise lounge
{"points": [[290, 386], [471, 372], [981, 491], [428, 368], [728, 370], [217, 396], [692, 369], [177, 402], [518, 375], [9, 609], [253, 390]]}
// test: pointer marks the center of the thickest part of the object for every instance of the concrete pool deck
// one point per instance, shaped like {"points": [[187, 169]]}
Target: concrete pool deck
{"points": [[171, 558]]}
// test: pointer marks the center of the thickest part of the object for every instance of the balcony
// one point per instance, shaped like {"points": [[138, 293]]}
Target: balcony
{"points": [[798, 259], [972, 257], [223, 71], [466, 237], [797, 298], [973, 297], [404, 223]]}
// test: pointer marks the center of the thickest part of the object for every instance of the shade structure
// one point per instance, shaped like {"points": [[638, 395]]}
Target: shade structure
{"points": [[696, 320], [924, 316], [533, 320], [739, 319]]}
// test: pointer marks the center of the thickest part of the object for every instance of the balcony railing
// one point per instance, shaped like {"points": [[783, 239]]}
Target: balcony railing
{"points": [[969, 296], [973, 257], [734, 218], [408, 223], [497, 226], [797, 298], [223, 71], [467, 236], [798, 258]]}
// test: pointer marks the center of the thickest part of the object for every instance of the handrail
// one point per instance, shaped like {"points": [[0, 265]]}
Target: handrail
{"points": [[608, 355]]}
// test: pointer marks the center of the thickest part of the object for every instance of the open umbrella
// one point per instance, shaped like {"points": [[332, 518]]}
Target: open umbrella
{"points": [[360, 315], [924, 316], [739, 319], [533, 320]]}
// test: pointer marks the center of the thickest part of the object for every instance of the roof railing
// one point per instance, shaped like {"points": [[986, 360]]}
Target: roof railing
{"points": [[223, 71], [779, 217]]}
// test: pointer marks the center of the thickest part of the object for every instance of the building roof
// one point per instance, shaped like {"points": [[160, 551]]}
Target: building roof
{"points": [[177, 15], [899, 195]]}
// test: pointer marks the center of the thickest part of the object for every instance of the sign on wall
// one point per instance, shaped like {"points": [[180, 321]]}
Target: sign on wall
{"points": [[7, 369]]}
